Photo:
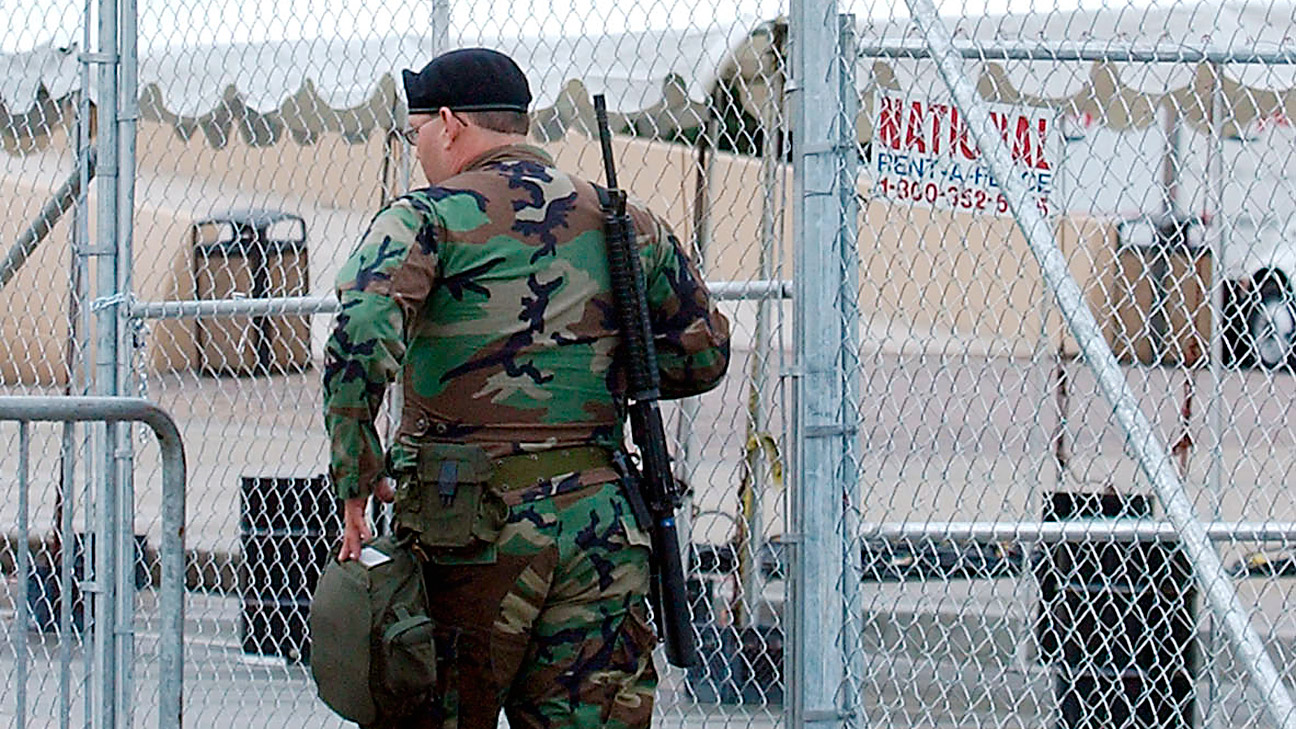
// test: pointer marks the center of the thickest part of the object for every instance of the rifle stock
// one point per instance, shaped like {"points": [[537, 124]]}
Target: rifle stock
{"points": [[658, 491]]}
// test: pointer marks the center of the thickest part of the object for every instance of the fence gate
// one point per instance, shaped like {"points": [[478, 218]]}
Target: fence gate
{"points": [[1017, 457], [1053, 462]]}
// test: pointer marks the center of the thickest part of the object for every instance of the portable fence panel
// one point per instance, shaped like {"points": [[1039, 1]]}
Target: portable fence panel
{"points": [[266, 139], [46, 681], [64, 576], [1003, 583]]}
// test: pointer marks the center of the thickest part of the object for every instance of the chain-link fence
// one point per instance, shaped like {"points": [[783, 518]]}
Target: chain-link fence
{"points": [[1018, 562], [944, 517], [266, 138]]}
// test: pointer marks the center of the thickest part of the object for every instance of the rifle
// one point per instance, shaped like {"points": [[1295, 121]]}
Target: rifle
{"points": [[655, 492]]}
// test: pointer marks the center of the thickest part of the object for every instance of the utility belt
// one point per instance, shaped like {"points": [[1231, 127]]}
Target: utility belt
{"points": [[523, 471], [454, 496]]}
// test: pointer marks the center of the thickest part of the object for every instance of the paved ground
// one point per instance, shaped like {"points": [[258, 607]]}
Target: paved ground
{"points": [[946, 436], [226, 687], [925, 658]]}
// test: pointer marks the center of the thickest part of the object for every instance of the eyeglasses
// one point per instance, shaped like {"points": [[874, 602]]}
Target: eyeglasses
{"points": [[411, 134]]}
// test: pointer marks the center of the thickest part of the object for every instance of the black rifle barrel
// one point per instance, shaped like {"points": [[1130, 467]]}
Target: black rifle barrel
{"points": [[640, 357]]}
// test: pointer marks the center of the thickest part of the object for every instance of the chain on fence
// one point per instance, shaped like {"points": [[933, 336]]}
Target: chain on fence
{"points": [[1155, 139]]}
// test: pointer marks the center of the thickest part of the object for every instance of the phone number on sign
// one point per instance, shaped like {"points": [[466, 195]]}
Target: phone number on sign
{"points": [[952, 196]]}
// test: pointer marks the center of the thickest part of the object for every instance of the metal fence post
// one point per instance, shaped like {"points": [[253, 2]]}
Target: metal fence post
{"points": [[124, 447], [24, 571], [78, 362], [850, 366], [816, 671], [440, 28], [1152, 455], [104, 620]]}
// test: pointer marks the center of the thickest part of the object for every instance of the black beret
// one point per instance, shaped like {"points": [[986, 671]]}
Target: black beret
{"points": [[469, 79]]}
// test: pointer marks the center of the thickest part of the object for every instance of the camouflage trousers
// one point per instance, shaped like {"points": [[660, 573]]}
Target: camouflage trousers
{"points": [[550, 623]]}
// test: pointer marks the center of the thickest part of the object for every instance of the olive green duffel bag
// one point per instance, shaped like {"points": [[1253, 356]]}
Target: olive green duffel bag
{"points": [[372, 653]]}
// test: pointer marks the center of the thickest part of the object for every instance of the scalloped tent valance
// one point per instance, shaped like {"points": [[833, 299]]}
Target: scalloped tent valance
{"points": [[656, 82], [1118, 95]]}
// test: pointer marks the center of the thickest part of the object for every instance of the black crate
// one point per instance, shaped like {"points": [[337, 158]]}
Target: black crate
{"points": [[289, 504], [1127, 699], [284, 565], [1116, 621], [289, 530], [276, 628]]}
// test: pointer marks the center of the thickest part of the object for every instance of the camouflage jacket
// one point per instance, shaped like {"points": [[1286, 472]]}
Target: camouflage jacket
{"points": [[489, 295]]}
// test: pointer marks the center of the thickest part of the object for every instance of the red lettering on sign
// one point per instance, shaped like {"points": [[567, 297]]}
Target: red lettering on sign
{"points": [[1041, 162], [914, 141], [939, 114], [1000, 122], [917, 127], [959, 139], [889, 125], [1023, 149]]}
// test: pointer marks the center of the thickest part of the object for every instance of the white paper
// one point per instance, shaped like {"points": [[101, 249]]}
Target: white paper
{"points": [[370, 557]]}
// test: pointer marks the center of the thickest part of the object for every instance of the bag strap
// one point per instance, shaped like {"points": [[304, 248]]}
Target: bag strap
{"points": [[406, 623]]}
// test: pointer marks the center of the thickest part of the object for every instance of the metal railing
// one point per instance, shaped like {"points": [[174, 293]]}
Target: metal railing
{"points": [[113, 568], [270, 306]]}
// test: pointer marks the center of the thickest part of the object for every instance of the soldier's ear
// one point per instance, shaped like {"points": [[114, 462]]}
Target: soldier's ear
{"points": [[451, 126]]}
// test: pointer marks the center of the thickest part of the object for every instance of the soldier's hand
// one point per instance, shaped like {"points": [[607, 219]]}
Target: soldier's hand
{"points": [[384, 490], [355, 529]]}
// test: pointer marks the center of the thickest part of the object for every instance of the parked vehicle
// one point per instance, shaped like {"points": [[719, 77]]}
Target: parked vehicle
{"points": [[1259, 268], [1260, 312]]}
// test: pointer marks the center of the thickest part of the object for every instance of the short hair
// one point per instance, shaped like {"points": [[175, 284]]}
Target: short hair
{"points": [[505, 122]]}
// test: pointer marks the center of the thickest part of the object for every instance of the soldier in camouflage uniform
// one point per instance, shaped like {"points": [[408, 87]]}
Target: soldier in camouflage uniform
{"points": [[488, 294]]}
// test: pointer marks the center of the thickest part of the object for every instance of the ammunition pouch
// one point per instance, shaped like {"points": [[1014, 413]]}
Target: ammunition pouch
{"points": [[447, 501]]}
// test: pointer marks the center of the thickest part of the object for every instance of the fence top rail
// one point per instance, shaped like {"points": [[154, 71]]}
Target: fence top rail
{"points": [[1077, 530], [1039, 51], [28, 408]]}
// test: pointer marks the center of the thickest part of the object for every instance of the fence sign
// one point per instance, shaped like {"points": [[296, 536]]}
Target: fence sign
{"points": [[923, 154]]}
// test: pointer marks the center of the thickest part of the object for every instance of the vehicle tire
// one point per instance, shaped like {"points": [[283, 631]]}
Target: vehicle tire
{"points": [[1271, 328], [1236, 347]]}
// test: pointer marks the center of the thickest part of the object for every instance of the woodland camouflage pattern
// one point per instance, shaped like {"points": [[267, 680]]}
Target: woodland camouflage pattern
{"points": [[556, 629], [490, 296]]}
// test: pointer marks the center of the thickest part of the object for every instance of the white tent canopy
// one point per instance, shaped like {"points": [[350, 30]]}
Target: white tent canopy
{"points": [[305, 87], [1114, 93], [1121, 93], [658, 80]]}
